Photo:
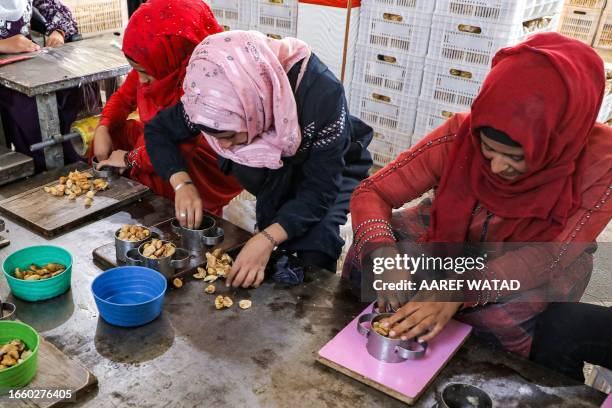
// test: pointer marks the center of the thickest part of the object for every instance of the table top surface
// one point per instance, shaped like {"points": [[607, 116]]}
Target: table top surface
{"points": [[73, 64], [194, 355]]}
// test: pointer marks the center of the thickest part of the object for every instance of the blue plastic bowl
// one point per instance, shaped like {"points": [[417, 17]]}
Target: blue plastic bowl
{"points": [[129, 296]]}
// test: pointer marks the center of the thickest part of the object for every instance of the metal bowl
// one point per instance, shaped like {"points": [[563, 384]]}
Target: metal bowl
{"points": [[8, 311], [459, 395]]}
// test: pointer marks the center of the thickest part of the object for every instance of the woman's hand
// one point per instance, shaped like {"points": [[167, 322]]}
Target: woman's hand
{"points": [[55, 39], [388, 300], [18, 44], [103, 143], [187, 201], [249, 267], [421, 319], [116, 159]]}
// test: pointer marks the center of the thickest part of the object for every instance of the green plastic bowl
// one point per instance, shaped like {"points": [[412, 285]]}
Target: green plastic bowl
{"points": [[33, 291], [20, 375]]}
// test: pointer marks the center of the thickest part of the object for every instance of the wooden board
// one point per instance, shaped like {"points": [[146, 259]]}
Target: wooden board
{"points": [[405, 381], [386, 390], [49, 215], [56, 371], [234, 238]]}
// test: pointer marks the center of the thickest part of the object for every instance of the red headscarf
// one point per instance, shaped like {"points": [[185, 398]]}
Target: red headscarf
{"points": [[160, 36], [545, 94]]}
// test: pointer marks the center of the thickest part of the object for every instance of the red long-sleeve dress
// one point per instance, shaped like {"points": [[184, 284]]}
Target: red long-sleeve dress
{"points": [[215, 188], [420, 169]]}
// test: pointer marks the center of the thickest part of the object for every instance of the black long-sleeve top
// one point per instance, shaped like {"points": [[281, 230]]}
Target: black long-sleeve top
{"points": [[299, 194]]}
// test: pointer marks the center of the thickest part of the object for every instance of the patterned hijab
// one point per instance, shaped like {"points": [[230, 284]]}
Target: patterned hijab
{"points": [[237, 81], [12, 10]]}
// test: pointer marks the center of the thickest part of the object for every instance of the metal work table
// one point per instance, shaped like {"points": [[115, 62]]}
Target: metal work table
{"points": [[55, 69], [196, 356]]}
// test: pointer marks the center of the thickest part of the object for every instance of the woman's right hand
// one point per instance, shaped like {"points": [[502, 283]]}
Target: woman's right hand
{"points": [[187, 201], [103, 144], [18, 44], [388, 300]]}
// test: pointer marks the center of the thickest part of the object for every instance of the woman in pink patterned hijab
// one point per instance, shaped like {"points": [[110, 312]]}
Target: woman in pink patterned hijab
{"points": [[278, 119], [237, 82]]}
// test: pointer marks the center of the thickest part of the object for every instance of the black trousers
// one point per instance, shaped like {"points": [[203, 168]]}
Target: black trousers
{"points": [[568, 334]]}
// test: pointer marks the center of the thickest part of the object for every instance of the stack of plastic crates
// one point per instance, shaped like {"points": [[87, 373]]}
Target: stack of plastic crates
{"points": [[392, 44], [603, 38], [275, 18], [465, 36], [605, 112], [232, 14], [95, 17], [580, 19]]}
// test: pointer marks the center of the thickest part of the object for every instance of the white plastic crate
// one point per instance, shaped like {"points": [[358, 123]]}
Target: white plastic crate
{"points": [[96, 17], [600, 378], [596, 4], [499, 11], [579, 23], [383, 109], [431, 115], [423, 6], [232, 14], [605, 113], [275, 18], [603, 38], [475, 42], [451, 83], [386, 145], [392, 71], [395, 28]]}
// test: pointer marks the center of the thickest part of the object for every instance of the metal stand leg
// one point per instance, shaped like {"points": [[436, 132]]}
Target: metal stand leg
{"points": [[110, 87], [2, 135], [48, 116]]}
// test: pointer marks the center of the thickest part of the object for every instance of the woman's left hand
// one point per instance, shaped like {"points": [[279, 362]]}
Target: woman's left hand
{"points": [[116, 159], [55, 39], [250, 264], [421, 319]]}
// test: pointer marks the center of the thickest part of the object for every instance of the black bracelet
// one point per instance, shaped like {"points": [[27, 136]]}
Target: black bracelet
{"points": [[128, 164]]}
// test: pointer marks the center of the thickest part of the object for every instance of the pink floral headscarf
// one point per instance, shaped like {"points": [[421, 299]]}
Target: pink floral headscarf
{"points": [[237, 81]]}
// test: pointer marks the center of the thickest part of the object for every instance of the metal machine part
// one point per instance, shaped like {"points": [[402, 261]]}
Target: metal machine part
{"points": [[14, 166], [3, 241]]}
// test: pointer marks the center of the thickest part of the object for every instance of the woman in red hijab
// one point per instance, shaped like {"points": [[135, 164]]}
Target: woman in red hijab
{"points": [[158, 42], [527, 165]]}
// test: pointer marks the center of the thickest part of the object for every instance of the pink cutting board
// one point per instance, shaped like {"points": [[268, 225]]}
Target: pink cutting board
{"points": [[405, 381], [608, 402]]}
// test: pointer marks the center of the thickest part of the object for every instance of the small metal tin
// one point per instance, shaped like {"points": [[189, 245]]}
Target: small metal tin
{"points": [[196, 240], [122, 247], [459, 395], [387, 349], [166, 266], [109, 173], [8, 311]]}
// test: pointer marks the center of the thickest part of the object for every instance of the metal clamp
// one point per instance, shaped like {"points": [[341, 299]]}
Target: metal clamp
{"points": [[366, 318], [109, 172], [214, 239], [407, 353], [180, 259]]}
